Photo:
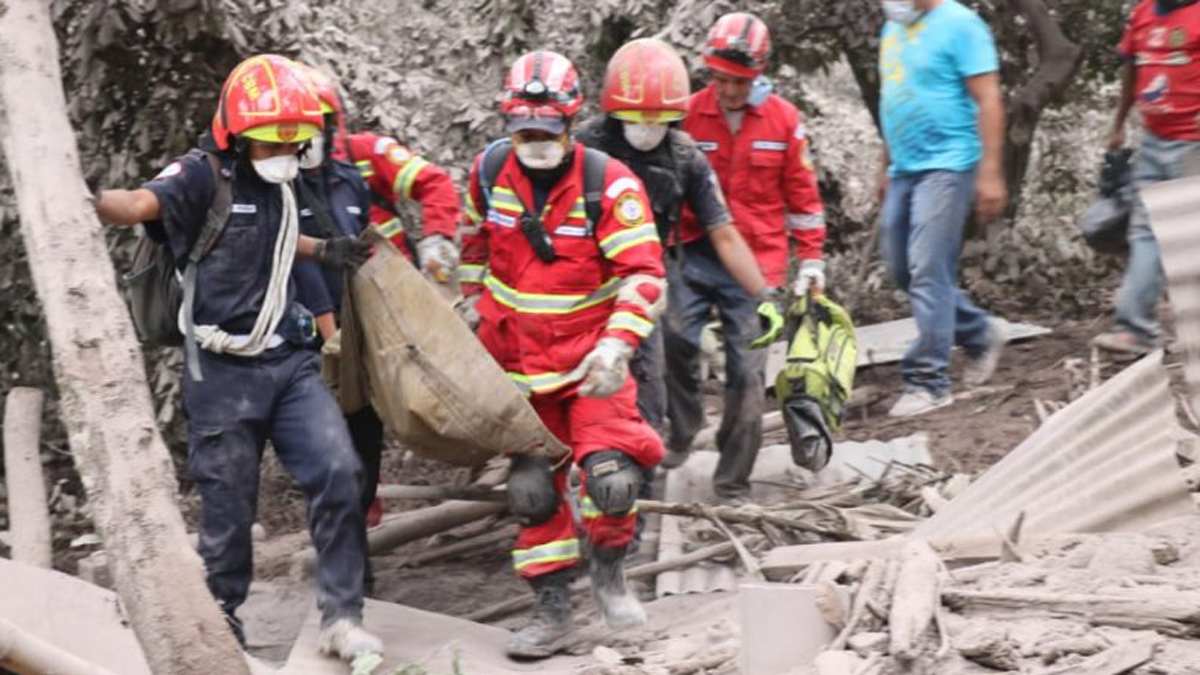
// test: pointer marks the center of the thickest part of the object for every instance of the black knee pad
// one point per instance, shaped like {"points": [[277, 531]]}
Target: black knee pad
{"points": [[613, 480], [531, 493]]}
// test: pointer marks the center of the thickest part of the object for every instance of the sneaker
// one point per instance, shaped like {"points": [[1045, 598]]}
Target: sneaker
{"points": [[918, 401], [346, 639], [980, 368], [1123, 342]]}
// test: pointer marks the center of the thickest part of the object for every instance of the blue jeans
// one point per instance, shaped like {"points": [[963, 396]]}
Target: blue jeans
{"points": [[694, 288], [1158, 159], [921, 233], [231, 413]]}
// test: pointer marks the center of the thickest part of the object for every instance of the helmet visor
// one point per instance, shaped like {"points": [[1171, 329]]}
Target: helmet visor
{"points": [[283, 132], [648, 116], [541, 118]]}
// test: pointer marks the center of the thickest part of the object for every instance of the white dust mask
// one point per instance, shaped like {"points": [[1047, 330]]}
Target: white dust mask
{"points": [[541, 154], [278, 169], [315, 154], [901, 11], [645, 137]]}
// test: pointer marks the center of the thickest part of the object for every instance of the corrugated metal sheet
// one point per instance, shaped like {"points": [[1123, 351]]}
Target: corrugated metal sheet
{"points": [[1174, 207], [1104, 463]]}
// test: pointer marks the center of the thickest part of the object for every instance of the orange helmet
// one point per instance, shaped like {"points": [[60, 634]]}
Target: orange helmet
{"points": [[267, 98], [738, 45], [327, 91], [646, 83], [541, 92]]}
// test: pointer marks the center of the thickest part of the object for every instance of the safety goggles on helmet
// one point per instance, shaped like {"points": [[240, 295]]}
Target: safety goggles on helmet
{"points": [[738, 52], [648, 116], [540, 118]]}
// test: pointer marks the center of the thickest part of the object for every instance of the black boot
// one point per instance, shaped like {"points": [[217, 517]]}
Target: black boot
{"points": [[551, 623], [620, 607]]}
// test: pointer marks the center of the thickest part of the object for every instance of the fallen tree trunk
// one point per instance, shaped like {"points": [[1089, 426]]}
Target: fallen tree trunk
{"points": [[480, 541], [519, 603], [1168, 612], [105, 401], [28, 515], [25, 654], [915, 599]]}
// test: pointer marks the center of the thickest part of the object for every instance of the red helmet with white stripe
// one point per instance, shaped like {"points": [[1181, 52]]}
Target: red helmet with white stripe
{"points": [[738, 45], [646, 82], [541, 92], [267, 98]]}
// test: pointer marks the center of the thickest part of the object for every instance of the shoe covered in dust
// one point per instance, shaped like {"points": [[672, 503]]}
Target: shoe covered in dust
{"points": [[980, 367], [551, 625], [1123, 343], [346, 639], [619, 605], [918, 401]]}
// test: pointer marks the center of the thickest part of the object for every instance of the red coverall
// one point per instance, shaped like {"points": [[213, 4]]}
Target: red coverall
{"points": [[395, 175], [539, 320], [767, 176]]}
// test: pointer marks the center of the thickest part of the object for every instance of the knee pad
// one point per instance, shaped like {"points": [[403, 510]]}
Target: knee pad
{"points": [[612, 481], [531, 494]]}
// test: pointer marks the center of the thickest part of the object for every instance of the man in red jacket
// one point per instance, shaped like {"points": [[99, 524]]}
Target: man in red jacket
{"points": [[757, 144], [562, 261]]}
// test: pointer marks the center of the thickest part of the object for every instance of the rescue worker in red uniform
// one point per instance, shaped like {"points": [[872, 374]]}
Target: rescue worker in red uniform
{"points": [[757, 144], [567, 282]]}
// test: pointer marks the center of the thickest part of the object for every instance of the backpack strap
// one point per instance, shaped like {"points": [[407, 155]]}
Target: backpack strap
{"points": [[594, 164], [214, 225], [494, 157]]}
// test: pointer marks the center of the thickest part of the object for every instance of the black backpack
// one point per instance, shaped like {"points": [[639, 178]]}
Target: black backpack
{"points": [[154, 289]]}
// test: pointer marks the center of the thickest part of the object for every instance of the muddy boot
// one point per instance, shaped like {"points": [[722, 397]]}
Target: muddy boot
{"points": [[551, 623], [620, 606]]}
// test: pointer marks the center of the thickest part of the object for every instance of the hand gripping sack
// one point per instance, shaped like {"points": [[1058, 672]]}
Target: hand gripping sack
{"points": [[431, 381], [814, 385]]}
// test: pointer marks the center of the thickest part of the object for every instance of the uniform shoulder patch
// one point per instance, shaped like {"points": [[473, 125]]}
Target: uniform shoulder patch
{"points": [[629, 210], [382, 143], [622, 184], [172, 169], [398, 154]]}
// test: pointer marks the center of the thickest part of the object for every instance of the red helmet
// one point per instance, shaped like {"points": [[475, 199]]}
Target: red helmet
{"points": [[738, 45], [646, 82], [327, 91], [541, 92], [267, 98]]}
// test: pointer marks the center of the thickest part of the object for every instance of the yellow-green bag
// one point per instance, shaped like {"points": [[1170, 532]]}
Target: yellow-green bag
{"points": [[815, 385]]}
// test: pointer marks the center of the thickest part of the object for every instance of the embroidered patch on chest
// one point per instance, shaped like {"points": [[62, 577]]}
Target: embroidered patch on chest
{"points": [[501, 219], [571, 231], [774, 146], [246, 208], [707, 146]]}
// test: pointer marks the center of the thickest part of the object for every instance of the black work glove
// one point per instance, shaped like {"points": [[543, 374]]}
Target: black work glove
{"points": [[344, 252]]}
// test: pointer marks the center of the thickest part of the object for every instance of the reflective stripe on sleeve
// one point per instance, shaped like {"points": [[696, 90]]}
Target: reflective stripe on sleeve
{"points": [[806, 221], [391, 228], [631, 322], [407, 176], [471, 273], [615, 243]]}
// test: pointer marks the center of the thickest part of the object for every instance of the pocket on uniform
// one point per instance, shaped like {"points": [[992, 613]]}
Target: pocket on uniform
{"points": [[766, 174], [236, 258], [578, 268]]}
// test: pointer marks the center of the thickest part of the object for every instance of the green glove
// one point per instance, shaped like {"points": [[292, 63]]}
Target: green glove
{"points": [[770, 317]]}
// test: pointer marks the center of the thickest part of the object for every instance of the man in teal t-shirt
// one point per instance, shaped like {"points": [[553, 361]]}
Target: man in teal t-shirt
{"points": [[943, 129]]}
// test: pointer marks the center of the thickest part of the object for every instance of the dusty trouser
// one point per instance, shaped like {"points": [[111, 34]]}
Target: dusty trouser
{"points": [[240, 404], [649, 371], [695, 285], [366, 432], [612, 444]]}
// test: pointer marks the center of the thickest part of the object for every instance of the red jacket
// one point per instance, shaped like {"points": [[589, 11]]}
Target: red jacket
{"points": [[767, 176], [540, 319], [395, 175], [1165, 53]]}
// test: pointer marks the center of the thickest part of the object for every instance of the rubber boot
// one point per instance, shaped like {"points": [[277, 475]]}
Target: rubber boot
{"points": [[620, 607], [547, 632]]}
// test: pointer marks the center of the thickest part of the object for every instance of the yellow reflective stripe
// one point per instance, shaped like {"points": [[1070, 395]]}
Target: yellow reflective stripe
{"points": [[472, 214], [365, 169], [546, 303], [631, 322], [590, 510], [555, 551], [408, 175], [391, 228], [541, 383], [615, 243], [578, 209], [505, 198], [471, 274]]}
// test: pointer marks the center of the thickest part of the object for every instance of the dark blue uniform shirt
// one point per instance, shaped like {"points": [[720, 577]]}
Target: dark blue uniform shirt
{"points": [[345, 196]]}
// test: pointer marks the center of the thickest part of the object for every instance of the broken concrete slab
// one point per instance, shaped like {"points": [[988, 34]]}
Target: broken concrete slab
{"points": [[72, 615], [782, 627], [434, 643]]}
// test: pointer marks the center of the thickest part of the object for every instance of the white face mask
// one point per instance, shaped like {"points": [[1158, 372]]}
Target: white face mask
{"points": [[901, 11], [278, 169], [645, 137], [313, 156], [541, 154]]}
